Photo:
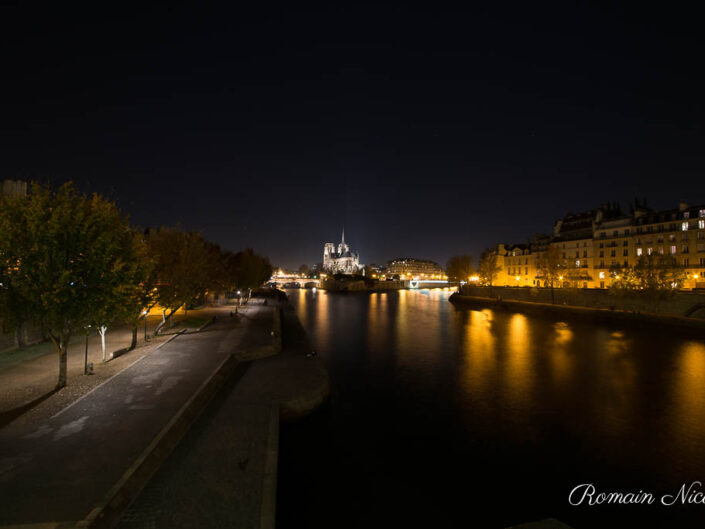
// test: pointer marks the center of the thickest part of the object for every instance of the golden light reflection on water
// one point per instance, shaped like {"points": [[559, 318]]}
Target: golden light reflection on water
{"points": [[563, 336], [378, 325], [617, 344], [688, 410], [302, 313], [321, 318], [614, 392], [559, 351], [519, 370], [479, 352]]}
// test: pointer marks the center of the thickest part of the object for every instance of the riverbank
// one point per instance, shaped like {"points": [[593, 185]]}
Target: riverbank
{"points": [[225, 471], [584, 313], [159, 398]]}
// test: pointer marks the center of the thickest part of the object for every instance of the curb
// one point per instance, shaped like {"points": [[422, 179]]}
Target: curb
{"points": [[107, 513]]}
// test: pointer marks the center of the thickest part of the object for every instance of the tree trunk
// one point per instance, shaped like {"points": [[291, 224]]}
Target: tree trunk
{"points": [[133, 343], [102, 330], [165, 318], [19, 337], [61, 343]]}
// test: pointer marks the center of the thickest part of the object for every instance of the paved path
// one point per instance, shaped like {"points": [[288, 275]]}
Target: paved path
{"points": [[223, 474], [60, 470], [30, 379]]}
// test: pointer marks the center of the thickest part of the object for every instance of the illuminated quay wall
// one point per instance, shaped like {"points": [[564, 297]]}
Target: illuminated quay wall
{"points": [[682, 304], [591, 242]]}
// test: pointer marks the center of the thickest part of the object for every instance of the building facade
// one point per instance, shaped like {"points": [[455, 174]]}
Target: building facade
{"points": [[410, 268], [592, 244], [340, 260]]}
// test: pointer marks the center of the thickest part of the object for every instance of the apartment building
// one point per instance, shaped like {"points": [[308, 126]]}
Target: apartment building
{"points": [[593, 242]]}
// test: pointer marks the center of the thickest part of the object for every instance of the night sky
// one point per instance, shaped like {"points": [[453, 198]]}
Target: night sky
{"points": [[426, 133]]}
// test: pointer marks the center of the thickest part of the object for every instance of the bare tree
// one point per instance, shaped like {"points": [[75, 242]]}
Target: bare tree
{"points": [[488, 269], [550, 267], [459, 268]]}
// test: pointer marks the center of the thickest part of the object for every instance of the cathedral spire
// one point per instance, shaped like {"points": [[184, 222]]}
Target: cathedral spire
{"points": [[342, 240]]}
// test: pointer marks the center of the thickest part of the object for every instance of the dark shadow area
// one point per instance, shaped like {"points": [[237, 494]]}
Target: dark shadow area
{"points": [[7, 417]]}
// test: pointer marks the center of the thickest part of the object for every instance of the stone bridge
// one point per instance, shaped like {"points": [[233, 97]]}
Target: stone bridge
{"points": [[294, 281]]}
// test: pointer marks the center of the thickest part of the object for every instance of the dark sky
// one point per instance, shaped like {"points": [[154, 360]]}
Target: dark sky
{"points": [[426, 133]]}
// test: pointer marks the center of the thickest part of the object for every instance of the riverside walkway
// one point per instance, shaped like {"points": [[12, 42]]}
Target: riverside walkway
{"points": [[224, 473], [81, 465]]}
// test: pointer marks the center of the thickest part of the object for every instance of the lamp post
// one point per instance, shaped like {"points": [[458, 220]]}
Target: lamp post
{"points": [[85, 356], [144, 314]]}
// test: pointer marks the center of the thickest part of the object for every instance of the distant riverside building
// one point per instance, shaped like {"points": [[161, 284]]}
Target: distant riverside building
{"points": [[410, 268], [593, 242], [340, 260]]}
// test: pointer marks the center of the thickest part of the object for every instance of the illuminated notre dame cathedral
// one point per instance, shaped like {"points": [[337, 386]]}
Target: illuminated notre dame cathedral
{"points": [[342, 261]]}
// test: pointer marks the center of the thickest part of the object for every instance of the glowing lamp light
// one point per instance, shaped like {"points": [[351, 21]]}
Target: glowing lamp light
{"points": [[517, 278], [695, 276], [560, 278]]}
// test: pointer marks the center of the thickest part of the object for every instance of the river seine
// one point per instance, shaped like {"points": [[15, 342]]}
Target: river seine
{"points": [[445, 417]]}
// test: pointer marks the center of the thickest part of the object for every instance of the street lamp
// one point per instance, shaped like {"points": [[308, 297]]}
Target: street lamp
{"points": [[144, 315], [85, 357]]}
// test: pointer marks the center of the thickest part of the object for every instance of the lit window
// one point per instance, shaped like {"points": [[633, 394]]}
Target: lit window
{"points": [[602, 275], [673, 249], [649, 250], [701, 224], [701, 213], [684, 226], [686, 214], [638, 252], [577, 263]]}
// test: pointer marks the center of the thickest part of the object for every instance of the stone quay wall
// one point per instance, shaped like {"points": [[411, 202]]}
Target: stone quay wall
{"points": [[682, 304]]}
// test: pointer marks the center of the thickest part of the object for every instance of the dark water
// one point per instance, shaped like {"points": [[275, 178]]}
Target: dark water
{"points": [[442, 417]]}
